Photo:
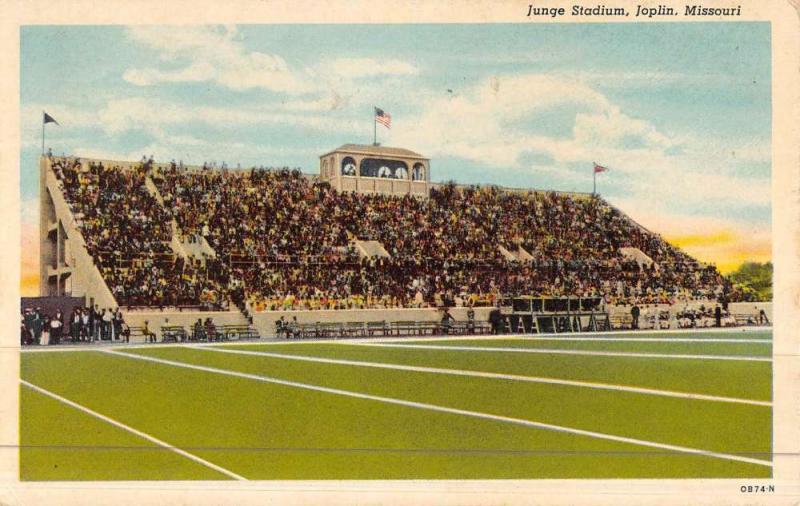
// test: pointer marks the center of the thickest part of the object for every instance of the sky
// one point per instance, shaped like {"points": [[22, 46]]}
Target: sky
{"points": [[679, 112]]}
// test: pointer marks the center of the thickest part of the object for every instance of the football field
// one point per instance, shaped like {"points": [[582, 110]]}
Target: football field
{"points": [[612, 405]]}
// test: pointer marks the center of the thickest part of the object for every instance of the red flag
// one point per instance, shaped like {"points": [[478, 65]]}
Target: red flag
{"points": [[599, 168]]}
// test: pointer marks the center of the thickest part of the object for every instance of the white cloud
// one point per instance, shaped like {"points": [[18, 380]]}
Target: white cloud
{"points": [[153, 115], [214, 54], [29, 212], [613, 128], [234, 153], [352, 68], [495, 122], [217, 54]]}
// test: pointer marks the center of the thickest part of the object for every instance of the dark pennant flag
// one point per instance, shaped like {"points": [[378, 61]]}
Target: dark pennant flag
{"points": [[48, 119]]}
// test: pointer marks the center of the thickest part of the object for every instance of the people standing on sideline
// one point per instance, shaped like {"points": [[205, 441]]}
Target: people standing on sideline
{"points": [[27, 326], [55, 328], [23, 331], [45, 334], [86, 328], [107, 317], [75, 325], [635, 311], [38, 324], [95, 322], [494, 320], [447, 321], [117, 324], [471, 319]]}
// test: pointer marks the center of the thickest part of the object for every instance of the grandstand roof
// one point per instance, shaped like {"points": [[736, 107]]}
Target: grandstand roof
{"points": [[370, 149]]}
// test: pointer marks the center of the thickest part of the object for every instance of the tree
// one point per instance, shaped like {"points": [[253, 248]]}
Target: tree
{"points": [[754, 280]]}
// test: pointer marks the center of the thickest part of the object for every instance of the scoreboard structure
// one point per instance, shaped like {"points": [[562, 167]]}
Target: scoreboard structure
{"points": [[367, 168]]}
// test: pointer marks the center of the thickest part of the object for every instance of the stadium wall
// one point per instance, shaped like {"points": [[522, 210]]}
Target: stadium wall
{"points": [[751, 308], [156, 319], [66, 257], [264, 321]]}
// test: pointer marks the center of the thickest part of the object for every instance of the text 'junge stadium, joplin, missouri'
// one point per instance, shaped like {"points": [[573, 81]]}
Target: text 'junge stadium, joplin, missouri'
{"points": [[147, 251]]}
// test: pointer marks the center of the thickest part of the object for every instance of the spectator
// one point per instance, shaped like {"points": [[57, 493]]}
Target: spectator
{"points": [[635, 311], [56, 325], [117, 324], [106, 318], [149, 336], [495, 320], [46, 333], [446, 322]]}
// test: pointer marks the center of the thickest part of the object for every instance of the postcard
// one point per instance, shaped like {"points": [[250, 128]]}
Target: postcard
{"points": [[385, 253]]}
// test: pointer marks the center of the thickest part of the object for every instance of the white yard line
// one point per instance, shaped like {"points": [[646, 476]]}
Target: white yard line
{"points": [[481, 374], [549, 351], [601, 339], [395, 339], [560, 335], [443, 409], [130, 429]]}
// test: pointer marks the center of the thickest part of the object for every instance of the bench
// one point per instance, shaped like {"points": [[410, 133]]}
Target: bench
{"points": [[403, 328], [139, 333], [466, 327], [335, 330], [237, 332], [374, 327], [354, 329], [173, 334], [746, 319]]}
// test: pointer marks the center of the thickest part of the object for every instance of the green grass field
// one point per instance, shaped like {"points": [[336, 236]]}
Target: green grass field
{"points": [[683, 405]]}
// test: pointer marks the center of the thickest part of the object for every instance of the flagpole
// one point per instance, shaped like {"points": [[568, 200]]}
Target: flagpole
{"points": [[594, 181], [374, 127], [43, 124]]}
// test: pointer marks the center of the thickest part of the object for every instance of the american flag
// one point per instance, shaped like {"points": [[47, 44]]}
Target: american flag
{"points": [[599, 168], [383, 117]]}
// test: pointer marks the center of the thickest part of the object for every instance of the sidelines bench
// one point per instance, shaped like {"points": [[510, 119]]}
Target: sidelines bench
{"points": [[377, 327], [139, 333], [237, 332], [173, 334], [406, 328], [465, 327]]}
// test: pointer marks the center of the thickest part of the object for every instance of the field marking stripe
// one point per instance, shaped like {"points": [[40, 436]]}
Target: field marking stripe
{"points": [[444, 409], [136, 432], [645, 332], [492, 375], [551, 351], [389, 339], [609, 339]]}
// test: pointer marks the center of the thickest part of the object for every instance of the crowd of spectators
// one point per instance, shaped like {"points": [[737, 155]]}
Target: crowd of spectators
{"points": [[291, 237], [128, 233], [286, 241]]}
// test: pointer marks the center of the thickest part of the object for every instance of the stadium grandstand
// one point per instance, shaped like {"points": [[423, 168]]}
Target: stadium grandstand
{"points": [[368, 245]]}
